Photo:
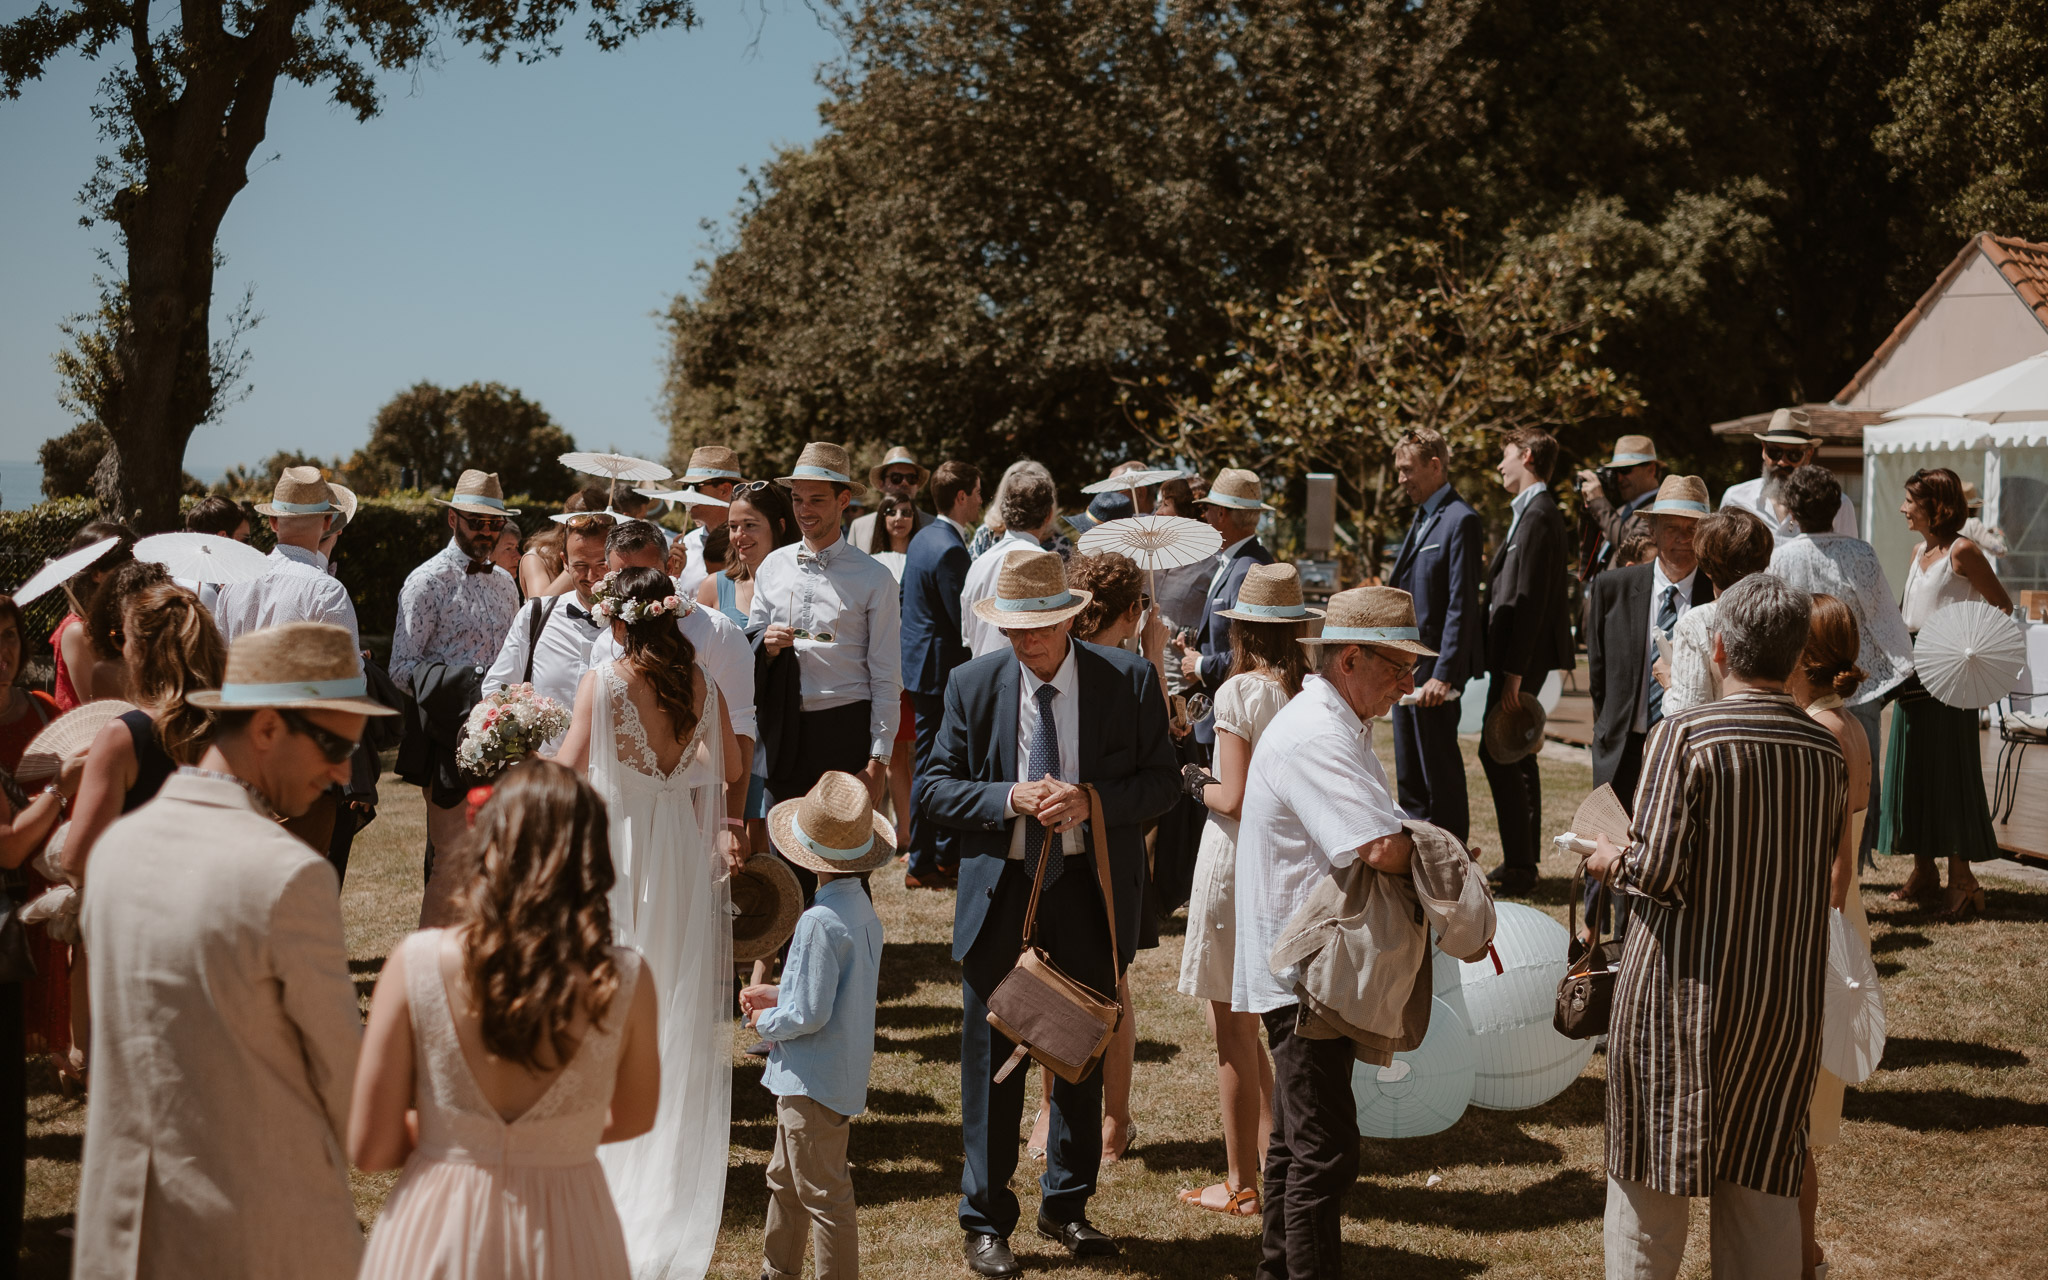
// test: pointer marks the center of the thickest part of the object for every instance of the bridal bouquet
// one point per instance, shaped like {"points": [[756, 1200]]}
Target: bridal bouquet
{"points": [[506, 727]]}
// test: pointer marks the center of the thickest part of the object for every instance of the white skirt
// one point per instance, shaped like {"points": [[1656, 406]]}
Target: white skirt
{"points": [[1210, 952]]}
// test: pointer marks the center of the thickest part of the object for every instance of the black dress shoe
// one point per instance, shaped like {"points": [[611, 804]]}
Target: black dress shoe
{"points": [[989, 1255], [1515, 881], [1078, 1238]]}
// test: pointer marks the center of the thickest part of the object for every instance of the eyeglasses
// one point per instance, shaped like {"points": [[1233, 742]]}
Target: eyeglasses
{"points": [[482, 524], [899, 477], [1405, 668], [332, 745]]}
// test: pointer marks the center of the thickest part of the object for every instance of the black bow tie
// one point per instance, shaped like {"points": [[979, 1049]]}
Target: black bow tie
{"points": [[477, 566], [580, 614]]}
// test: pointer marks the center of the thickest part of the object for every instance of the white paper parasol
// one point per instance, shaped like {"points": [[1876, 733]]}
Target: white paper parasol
{"points": [[205, 557], [1969, 654], [687, 497], [62, 570], [1133, 480], [1852, 1005], [1154, 542], [614, 466]]}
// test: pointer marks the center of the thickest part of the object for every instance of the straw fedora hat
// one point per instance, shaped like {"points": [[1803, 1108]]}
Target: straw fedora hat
{"points": [[766, 902], [1382, 616], [821, 461], [1515, 729], [477, 492], [1788, 426], [1237, 489], [833, 829], [66, 736], [307, 666], [1632, 451], [711, 462], [303, 491], [1682, 496], [1031, 591], [1271, 593], [897, 454]]}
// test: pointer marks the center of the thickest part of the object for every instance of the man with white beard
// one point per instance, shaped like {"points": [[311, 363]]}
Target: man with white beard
{"points": [[1788, 446]]}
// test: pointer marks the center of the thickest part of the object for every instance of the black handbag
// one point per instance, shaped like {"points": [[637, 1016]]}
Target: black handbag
{"points": [[1585, 998]]}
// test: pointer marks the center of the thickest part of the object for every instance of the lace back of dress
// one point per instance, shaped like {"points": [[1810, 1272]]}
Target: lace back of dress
{"points": [[630, 745]]}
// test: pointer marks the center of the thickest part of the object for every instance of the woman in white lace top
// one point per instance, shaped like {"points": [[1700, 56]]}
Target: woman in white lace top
{"points": [[1731, 544]]}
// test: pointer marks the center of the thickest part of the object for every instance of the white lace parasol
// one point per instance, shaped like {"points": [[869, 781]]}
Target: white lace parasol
{"points": [[62, 570], [1130, 480], [1154, 542], [1969, 654], [205, 557]]}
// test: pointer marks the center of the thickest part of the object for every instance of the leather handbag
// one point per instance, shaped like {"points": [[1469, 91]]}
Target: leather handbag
{"points": [[1585, 998], [1064, 1024]]}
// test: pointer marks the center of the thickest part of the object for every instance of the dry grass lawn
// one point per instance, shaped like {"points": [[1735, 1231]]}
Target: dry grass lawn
{"points": [[1940, 1170]]}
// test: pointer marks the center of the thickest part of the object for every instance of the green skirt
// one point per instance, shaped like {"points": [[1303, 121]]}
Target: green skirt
{"points": [[1933, 803]]}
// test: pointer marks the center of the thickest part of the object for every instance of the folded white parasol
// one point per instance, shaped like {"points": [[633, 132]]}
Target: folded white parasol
{"points": [[62, 570], [1852, 1005], [205, 557], [614, 466], [1133, 480], [1969, 654]]}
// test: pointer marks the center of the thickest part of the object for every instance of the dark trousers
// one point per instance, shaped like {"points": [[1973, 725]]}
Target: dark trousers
{"points": [[931, 845], [835, 738], [1313, 1157], [347, 822], [1517, 790], [1428, 768], [1074, 930], [13, 1127]]}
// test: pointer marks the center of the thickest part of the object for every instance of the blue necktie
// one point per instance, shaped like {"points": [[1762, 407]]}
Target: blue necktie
{"points": [[1044, 762], [1667, 618]]}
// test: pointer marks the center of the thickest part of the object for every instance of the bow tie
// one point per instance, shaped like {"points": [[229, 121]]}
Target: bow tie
{"points": [[580, 614], [805, 555], [477, 566]]}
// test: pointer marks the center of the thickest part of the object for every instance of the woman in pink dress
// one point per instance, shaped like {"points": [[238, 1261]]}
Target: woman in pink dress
{"points": [[522, 1039]]}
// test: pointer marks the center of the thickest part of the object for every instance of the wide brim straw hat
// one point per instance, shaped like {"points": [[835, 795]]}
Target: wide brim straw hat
{"points": [[895, 456], [710, 463], [1382, 616], [1971, 500], [1514, 729], [1633, 451], [766, 903], [300, 666], [1236, 489], [833, 829], [1031, 592], [828, 462], [478, 493], [303, 491], [65, 737], [1271, 593], [345, 501], [1682, 496], [1788, 426]]}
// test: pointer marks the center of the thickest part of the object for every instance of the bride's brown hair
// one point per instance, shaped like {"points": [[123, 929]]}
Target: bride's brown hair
{"points": [[659, 650], [538, 921]]}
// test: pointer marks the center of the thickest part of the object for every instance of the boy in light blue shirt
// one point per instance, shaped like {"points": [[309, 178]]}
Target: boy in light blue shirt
{"points": [[820, 1021]]}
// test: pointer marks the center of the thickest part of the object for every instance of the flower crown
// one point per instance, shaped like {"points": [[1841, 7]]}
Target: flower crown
{"points": [[607, 603]]}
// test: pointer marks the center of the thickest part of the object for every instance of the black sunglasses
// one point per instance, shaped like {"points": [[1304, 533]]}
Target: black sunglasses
{"points": [[899, 477], [333, 746], [1784, 452], [482, 524]]}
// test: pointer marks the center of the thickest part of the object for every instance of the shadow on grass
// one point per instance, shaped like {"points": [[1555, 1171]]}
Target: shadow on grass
{"points": [[1570, 1195], [69, 1147], [1902, 1053], [1941, 1110], [43, 1251], [1480, 1138], [913, 1017], [1898, 940], [1229, 1253], [908, 965], [1156, 1051]]}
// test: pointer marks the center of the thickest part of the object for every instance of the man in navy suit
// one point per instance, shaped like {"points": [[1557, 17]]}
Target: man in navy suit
{"points": [[1438, 565], [1233, 509], [933, 573], [1023, 727]]}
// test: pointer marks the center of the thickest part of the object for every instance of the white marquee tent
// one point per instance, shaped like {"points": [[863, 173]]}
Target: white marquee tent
{"points": [[2007, 461]]}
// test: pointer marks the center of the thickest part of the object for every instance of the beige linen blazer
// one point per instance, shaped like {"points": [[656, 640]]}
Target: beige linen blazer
{"points": [[225, 1033]]}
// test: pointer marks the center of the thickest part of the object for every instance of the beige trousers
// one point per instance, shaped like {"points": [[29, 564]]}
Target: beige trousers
{"points": [[448, 832], [809, 1186], [1755, 1236]]}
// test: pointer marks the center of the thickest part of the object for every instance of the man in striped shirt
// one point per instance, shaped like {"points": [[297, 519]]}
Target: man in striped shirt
{"points": [[1715, 1037]]}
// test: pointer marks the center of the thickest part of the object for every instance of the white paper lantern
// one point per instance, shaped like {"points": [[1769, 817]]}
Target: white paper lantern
{"points": [[1423, 1091], [1523, 1061]]}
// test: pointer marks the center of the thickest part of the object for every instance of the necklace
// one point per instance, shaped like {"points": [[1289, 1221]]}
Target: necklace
{"points": [[261, 801]]}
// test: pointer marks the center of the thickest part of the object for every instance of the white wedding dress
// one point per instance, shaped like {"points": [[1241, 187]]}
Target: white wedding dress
{"points": [[669, 903]]}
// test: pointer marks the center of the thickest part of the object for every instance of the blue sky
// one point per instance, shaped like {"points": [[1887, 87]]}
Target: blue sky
{"points": [[508, 223]]}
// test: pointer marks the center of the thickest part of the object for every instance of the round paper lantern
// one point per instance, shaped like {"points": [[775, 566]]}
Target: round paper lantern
{"points": [[1523, 1061], [1423, 1091]]}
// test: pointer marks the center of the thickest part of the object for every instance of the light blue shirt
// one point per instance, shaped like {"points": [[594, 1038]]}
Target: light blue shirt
{"points": [[823, 1022]]}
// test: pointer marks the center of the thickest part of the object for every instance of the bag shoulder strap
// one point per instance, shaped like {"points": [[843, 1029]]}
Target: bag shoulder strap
{"points": [[535, 624], [1098, 829]]}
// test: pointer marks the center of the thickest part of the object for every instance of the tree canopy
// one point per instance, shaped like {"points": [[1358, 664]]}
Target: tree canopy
{"points": [[436, 434]]}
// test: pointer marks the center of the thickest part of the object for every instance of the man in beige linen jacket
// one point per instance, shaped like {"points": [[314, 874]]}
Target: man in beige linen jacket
{"points": [[224, 1022]]}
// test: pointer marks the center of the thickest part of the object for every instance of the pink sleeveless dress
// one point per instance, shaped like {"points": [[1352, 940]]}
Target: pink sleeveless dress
{"points": [[484, 1198]]}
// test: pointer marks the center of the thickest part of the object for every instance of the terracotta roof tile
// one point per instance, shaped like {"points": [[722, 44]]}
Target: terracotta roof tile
{"points": [[1829, 422], [2026, 266], [2023, 264]]}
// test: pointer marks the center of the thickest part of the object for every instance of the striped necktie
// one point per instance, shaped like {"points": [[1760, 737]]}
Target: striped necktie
{"points": [[1043, 762], [1667, 618]]}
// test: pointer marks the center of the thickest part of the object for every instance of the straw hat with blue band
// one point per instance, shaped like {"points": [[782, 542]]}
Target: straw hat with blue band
{"points": [[898, 456], [305, 666], [1681, 496], [303, 491], [1031, 592], [828, 462], [1632, 451], [1383, 617], [1238, 490], [711, 463], [834, 829], [1271, 593], [478, 493]]}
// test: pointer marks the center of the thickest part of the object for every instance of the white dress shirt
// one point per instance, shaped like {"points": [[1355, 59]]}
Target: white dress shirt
{"points": [[1519, 505], [1223, 559], [298, 588], [447, 614], [723, 652], [694, 572], [560, 657], [1659, 584], [982, 637], [966, 534], [844, 592], [1066, 724], [1315, 796], [1749, 495]]}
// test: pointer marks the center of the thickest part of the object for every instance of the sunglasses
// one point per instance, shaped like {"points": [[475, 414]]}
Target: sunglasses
{"points": [[899, 477], [333, 746], [587, 519], [1784, 453], [752, 486], [822, 637], [482, 524]]}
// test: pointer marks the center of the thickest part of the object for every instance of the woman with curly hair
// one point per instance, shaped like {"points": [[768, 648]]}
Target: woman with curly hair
{"points": [[652, 734], [523, 1038]]}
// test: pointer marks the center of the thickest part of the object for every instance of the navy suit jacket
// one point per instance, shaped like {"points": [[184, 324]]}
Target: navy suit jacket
{"points": [[934, 573], [1126, 752], [1528, 632], [1214, 637], [1438, 565]]}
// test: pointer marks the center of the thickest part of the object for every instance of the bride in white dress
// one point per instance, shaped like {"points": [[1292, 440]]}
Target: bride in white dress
{"points": [[658, 745]]}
